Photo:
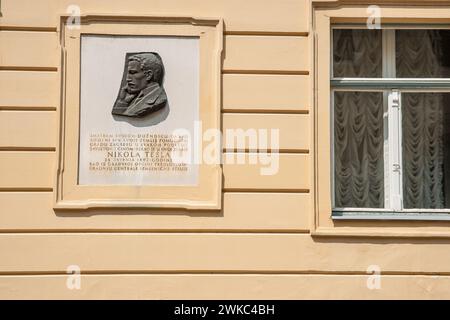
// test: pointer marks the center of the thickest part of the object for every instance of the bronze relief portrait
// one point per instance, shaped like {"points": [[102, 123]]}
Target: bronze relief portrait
{"points": [[141, 92]]}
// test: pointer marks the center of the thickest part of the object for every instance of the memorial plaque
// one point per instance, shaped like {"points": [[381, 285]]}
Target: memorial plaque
{"points": [[135, 93], [138, 95]]}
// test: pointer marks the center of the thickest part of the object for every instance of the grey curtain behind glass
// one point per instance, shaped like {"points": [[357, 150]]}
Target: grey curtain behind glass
{"points": [[419, 55], [357, 53], [358, 122], [358, 149], [423, 150]]}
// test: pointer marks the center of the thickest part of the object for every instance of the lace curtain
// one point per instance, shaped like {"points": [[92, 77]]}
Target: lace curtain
{"points": [[357, 53], [358, 136], [358, 121], [423, 150], [419, 55]]}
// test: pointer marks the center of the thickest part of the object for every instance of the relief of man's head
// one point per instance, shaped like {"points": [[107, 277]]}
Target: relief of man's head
{"points": [[144, 69]]}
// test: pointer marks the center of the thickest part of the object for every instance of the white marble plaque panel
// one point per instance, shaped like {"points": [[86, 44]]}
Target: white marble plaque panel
{"points": [[119, 150]]}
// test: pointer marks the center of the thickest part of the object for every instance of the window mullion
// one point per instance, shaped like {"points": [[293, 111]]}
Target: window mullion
{"points": [[390, 125], [395, 159]]}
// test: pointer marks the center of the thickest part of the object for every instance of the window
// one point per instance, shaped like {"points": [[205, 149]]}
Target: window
{"points": [[390, 109]]}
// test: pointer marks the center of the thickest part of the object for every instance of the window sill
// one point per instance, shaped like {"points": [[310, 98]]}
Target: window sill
{"points": [[425, 216]]}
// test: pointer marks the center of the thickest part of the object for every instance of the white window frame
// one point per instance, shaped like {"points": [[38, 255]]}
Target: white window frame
{"points": [[392, 89]]}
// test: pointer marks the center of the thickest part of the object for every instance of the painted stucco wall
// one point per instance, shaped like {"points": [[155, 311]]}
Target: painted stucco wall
{"points": [[260, 245]]}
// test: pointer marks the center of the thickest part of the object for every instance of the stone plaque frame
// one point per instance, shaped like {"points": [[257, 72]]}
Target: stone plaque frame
{"points": [[68, 194]]}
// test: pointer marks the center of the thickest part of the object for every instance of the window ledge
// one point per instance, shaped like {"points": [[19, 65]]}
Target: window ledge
{"points": [[425, 216]]}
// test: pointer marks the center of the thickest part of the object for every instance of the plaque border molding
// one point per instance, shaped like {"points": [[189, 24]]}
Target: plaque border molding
{"points": [[71, 196]]}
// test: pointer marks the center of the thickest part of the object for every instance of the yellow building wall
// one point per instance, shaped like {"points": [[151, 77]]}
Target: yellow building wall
{"points": [[259, 246]]}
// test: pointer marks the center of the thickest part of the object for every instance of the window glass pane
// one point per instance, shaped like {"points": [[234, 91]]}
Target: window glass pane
{"points": [[357, 53], [426, 150], [422, 53], [358, 149]]}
